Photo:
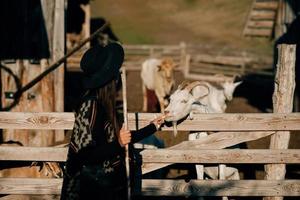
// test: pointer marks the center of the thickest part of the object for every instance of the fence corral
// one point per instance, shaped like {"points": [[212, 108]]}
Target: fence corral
{"points": [[255, 125], [234, 129], [196, 61]]}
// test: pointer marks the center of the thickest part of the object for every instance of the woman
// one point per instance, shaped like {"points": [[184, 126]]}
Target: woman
{"points": [[95, 167]]}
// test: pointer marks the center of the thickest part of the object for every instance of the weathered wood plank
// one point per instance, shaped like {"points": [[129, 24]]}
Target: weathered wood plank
{"points": [[30, 186], [224, 156], [271, 5], [167, 187], [219, 140], [33, 153], [263, 15], [58, 52], [48, 138], [282, 103], [261, 24], [220, 188], [205, 68], [36, 120], [219, 59], [206, 77], [207, 122], [228, 122], [263, 32]]}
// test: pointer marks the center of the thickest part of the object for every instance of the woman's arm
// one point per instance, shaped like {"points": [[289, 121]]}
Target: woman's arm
{"points": [[147, 130], [143, 133]]}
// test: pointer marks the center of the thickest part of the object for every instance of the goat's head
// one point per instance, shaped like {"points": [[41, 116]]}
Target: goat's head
{"points": [[182, 100], [167, 68], [229, 87]]}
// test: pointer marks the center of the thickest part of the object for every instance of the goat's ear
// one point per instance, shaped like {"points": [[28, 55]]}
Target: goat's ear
{"points": [[200, 91], [159, 67]]}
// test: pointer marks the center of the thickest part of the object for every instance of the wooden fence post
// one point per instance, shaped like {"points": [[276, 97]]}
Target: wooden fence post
{"points": [[58, 52], [282, 103]]}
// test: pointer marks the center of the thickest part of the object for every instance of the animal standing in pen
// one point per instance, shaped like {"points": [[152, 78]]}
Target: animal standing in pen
{"points": [[158, 76], [201, 97]]}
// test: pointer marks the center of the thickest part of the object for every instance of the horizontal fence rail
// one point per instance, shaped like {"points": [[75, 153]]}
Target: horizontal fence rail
{"points": [[206, 122], [227, 122], [157, 187], [38, 120], [10, 153], [30, 185], [242, 156], [220, 188], [237, 128], [228, 156]]}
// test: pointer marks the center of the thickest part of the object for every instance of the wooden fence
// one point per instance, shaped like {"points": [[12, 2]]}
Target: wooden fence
{"points": [[254, 126], [233, 129], [135, 55], [191, 59]]}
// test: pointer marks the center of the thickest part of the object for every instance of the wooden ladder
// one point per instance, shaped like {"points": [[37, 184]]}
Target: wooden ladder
{"points": [[261, 18]]}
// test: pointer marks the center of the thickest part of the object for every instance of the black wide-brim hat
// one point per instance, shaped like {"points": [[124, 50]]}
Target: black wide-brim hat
{"points": [[101, 64]]}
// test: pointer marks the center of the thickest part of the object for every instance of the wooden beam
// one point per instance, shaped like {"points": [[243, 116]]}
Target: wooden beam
{"points": [[47, 138], [58, 52], [273, 5], [205, 122], [206, 77], [263, 15], [213, 69], [43, 120], [219, 140], [30, 185], [282, 103], [228, 122], [220, 188], [33, 153], [167, 187], [264, 32], [219, 59], [261, 24], [224, 156]]}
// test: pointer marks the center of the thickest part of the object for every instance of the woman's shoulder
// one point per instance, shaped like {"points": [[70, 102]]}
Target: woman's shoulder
{"points": [[87, 99], [90, 96]]}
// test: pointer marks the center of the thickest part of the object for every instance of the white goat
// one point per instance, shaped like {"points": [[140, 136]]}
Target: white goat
{"points": [[157, 75], [201, 97]]}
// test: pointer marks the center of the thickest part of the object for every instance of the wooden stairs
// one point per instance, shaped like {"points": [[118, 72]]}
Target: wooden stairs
{"points": [[261, 18]]}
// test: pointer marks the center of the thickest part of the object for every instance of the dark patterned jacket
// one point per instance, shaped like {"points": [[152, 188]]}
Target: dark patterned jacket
{"points": [[94, 141]]}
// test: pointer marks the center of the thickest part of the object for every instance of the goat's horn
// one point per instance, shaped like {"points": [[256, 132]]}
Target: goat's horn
{"points": [[183, 85], [192, 85]]}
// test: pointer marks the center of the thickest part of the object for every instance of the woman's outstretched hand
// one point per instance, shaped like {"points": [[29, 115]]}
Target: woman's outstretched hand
{"points": [[158, 121], [124, 136]]}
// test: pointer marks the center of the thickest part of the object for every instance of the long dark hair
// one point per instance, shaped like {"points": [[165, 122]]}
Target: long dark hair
{"points": [[107, 98]]}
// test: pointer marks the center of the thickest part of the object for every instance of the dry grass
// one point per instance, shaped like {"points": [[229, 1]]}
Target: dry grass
{"points": [[215, 22]]}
